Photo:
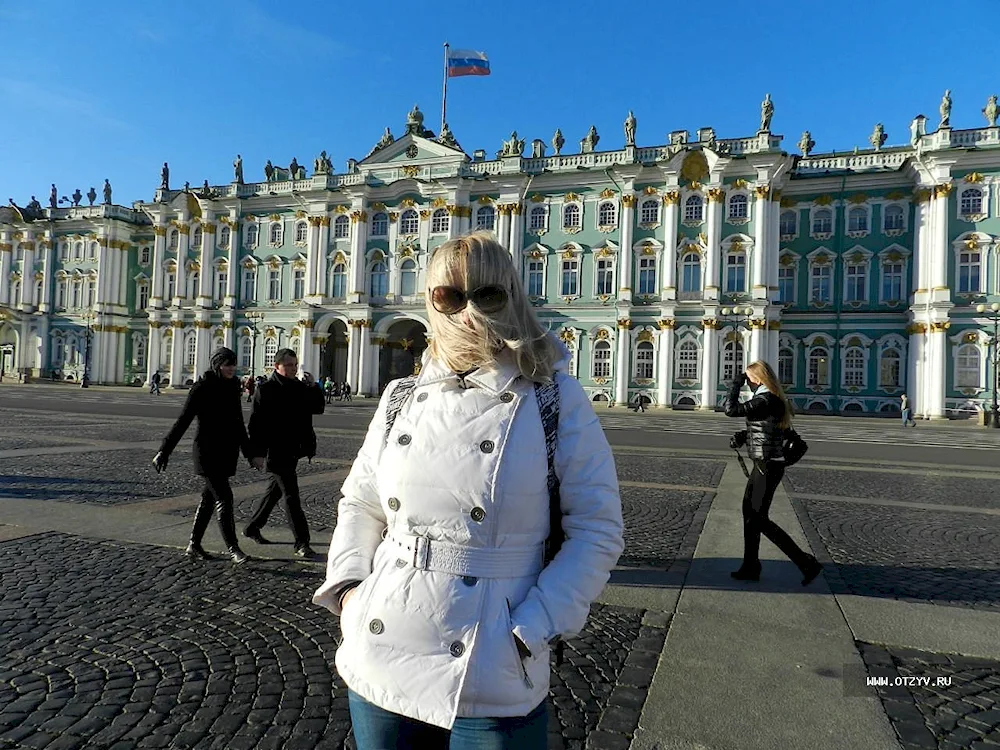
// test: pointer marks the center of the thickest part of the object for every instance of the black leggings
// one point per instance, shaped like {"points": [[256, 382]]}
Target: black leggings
{"points": [[217, 494], [763, 482]]}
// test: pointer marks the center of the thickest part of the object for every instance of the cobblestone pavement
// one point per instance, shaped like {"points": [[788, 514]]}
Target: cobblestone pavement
{"points": [[912, 487], [907, 553], [20, 442], [669, 470], [657, 523], [962, 714], [104, 644]]}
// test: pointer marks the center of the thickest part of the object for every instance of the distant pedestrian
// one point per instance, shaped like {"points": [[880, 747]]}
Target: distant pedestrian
{"points": [[154, 384], [250, 386], [640, 405], [220, 437], [329, 389], [281, 431], [904, 404], [346, 390], [768, 415]]}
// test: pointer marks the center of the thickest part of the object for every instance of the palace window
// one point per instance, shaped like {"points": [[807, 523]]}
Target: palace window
{"points": [[341, 227], [607, 214], [823, 221], [602, 360], [171, 284], [967, 367], [251, 236], [380, 224], [76, 294], [15, 292], [196, 238], [738, 207], [691, 273], [486, 218], [64, 251], [649, 212], [857, 220], [693, 208], [409, 222], [440, 221], [194, 281], [270, 350], [819, 367], [892, 281], [732, 360], [854, 367], [301, 232], [571, 216], [788, 224], [379, 286], [94, 250], [172, 241], [537, 218], [570, 277], [274, 284], [536, 278], [888, 369], [644, 361], [605, 276], [91, 292], [221, 282], [144, 256], [687, 361], [736, 273], [277, 233], [338, 287], [139, 352], [786, 284], [971, 202], [141, 295], [244, 352], [78, 248], [249, 284], [969, 271], [298, 283], [408, 278], [647, 275], [821, 284], [190, 351], [225, 235], [857, 282], [786, 366], [893, 218]]}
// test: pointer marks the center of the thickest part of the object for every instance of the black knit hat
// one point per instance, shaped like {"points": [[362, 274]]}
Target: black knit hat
{"points": [[221, 357]]}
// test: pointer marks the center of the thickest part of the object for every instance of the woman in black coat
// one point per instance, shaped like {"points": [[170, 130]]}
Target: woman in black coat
{"points": [[221, 435], [768, 415]]}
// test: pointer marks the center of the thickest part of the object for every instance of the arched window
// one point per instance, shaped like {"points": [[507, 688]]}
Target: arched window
{"points": [[693, 208], [341, 227], [225, 234], [969, 271], [379, 280], [967, 367], [408, 278], [888, 369], [139, 352], [38, 293], [94, 250], [647, 275], [786, 366], [607, 214], [196, 238], [893, 218], [166, 350], [221, 282], [823, 221], [649, 212], [15, 292], [738, 207], [440, 221], [172, 240], [857, 220], [971, 202], [58, 351], [854, 367], [570, 277], [338, 284], [190, 351], [218, 342], [301, 232], [141, 295], [644, 361], [409, 222], [819, 367], [687, 361], [64, 251], [194, 280], [170, 283], [295, 345], [276, 233], [571, 216], [732, 360], [691, 273], [380, 224], [244, 353], [61, 294], [601, 364], [787, 224], [605, 276], [270, 350], [249, 284], [298, 283], [736, 272], [486, 217], [251, 236], [274, 284], [537, 217]]}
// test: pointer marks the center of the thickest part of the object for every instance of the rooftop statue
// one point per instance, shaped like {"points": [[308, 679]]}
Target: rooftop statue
{"points": [[77, 197], [990, 111], [558, 141], [238, 169], [107, 193], [806, 143], [945, 110], [766, 113], [53, 197], [165, 177], [514, 146], [630, 124], [878, 137], [91, 195], [589, 143]]}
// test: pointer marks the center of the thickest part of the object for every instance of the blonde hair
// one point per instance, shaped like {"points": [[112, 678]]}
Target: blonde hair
{"points": [[763, 373], [472, 339]]}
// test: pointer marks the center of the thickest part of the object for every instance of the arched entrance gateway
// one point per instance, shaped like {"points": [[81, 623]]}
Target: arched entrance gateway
{"points": [[8, 349], [333, 362], [403, 344]]}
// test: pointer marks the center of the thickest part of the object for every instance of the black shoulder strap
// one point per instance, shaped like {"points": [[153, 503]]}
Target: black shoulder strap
{"points": [[547, 395], [397, 398]]}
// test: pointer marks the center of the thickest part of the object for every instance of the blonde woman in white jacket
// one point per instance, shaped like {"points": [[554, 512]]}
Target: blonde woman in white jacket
{"points": [[437, 563]]}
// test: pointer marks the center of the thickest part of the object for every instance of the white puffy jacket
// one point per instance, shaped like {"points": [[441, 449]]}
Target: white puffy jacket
{"points": [[465, 468]]}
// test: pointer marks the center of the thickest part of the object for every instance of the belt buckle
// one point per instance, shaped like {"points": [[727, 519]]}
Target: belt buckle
{"points": [[421, 552]]}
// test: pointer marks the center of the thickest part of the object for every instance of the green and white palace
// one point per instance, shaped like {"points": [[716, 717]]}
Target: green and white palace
{"points": [[665, 269]]}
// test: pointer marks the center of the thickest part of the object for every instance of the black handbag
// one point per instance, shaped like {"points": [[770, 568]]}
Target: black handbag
{"points": [[793, 447]]}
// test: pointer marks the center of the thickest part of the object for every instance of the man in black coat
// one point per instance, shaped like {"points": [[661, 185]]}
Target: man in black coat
{"points": [[215, 401], [281, 430]]}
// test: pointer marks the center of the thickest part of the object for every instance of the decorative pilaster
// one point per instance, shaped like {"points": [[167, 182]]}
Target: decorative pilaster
{"points": [[665, 365], [313, 253], [154, 342], [709, 363], [233, 280], [357, 292], [353, 346], [622, 374], [27, 274], [503, 224], [669, 275], [758, 340], [48, 275], [364, 357], [940, 290], [627, 226], [177, 354], [762, 212], [915, 379], [517, 230], [936, 374], [712, 243], [180, 284], [159, 258], [203, 339], [206, 279]]}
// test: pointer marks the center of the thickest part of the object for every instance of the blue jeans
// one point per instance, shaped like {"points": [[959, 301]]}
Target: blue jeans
{"points": [[907, 418], [378, 729]]}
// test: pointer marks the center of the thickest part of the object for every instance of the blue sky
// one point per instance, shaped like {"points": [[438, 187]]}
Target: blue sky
{"points": [[112, 89]]}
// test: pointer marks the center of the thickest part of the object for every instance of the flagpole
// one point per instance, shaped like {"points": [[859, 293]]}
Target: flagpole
{"points": [[444, 88]]}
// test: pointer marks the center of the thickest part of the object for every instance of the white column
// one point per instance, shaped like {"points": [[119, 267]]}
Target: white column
{"points": [[669, 275], [48, 274], [939, 261], [6, 252], [359, 243], [936, 370], [364, 358], [356, 293], [713, 250], [313, 257], [159, 258], [773, 246], [517, 230], [353, 347], [153, 343], [28, 275], [760, 250], [176, 355], [180, 287], [503, 224], [758, 348], [773, 339], [914, 370], [622, 373], [665, 366], [322, 248], [203, 339], [625, 260], [207, 277], [105, 272], [709, 364]]}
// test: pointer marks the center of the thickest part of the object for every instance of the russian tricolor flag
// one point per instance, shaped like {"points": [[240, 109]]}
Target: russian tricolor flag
{"points": [[467, 62]]}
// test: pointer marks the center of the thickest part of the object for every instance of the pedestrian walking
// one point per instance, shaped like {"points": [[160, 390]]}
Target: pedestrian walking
{"points": [[281, 430], [250, 387], [768, 415], [154, 384], [907, 413], [640, 405], [220, 437], [330, 389], [346, 390], [436, 563]]}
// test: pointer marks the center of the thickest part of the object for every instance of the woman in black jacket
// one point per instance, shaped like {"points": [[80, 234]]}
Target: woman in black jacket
{"points": [[768, 414], [221, 435]]}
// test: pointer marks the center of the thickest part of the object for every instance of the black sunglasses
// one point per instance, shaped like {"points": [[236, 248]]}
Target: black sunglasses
{"points": [[449, 300]]}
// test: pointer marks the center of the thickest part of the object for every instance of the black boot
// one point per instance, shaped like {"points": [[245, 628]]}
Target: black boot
{"points": [[810, 569], [747, 572], [238, 556], [196, 552]]}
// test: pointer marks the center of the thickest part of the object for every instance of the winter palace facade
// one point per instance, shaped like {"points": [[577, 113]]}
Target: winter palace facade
{"points": [[665, 269]]}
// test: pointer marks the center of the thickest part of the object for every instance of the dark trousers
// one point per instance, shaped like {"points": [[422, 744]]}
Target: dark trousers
{"points": [[763, 482], [282, 480], [217, 494]]}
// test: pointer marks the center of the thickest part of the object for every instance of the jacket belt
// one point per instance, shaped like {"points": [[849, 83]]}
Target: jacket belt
{"points": [[461, 560]]}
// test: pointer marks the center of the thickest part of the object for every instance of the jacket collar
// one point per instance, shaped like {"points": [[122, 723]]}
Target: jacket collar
{"points": [[760, 390], [495, 378]]}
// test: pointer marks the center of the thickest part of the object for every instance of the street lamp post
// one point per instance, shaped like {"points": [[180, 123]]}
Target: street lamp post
{"points": [[255, 318], [737, 315], [88, 316], [992, 312]]}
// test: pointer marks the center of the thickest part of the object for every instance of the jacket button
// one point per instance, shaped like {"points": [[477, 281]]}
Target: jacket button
{"points": [[470, 580], [404, 440], [422, 397], [507, 397], [478, 514], [376, 627], [400, 563], [457, 649], [393, 504], [486, 446]]}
